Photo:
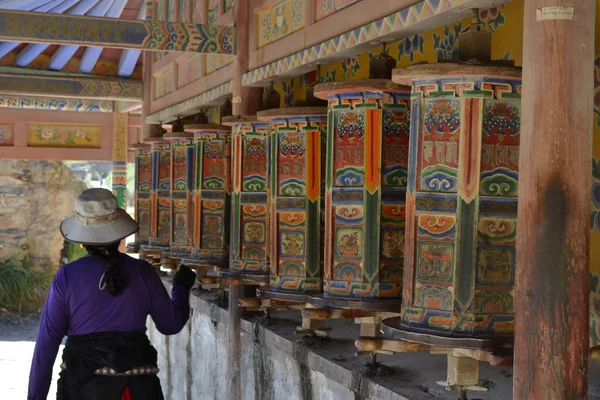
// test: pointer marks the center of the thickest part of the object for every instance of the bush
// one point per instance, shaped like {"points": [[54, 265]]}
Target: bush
{"points": [[21, 288], [74, 252]]}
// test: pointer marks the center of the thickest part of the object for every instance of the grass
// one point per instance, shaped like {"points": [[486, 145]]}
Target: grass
{"points": [[21, 287]]}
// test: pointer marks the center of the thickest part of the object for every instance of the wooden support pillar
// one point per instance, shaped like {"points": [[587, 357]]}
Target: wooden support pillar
{"points": [[552, 278], [245, 99]]}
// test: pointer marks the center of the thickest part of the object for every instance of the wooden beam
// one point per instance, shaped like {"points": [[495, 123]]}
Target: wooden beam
{"points": [[89, 88], [114, 33], [553, 240]]}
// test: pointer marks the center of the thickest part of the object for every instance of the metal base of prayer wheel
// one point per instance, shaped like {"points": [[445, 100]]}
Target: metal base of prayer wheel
{"points": [[349, 304]]}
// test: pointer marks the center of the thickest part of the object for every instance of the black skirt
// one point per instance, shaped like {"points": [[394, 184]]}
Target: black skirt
{"points": [[85, 354]]}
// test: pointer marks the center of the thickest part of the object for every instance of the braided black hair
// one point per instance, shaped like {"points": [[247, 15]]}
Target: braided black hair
{"points": [[113, 278]]}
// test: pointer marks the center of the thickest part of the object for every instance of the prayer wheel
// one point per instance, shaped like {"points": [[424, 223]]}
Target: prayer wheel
{"points": [[142, 195], [212, 195], [182, 186], [366, 178], [160, 211], [461, 206], [297, 161], [249, 252]]}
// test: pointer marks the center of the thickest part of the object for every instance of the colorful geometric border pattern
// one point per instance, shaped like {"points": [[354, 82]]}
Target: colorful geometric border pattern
{"points": [[138, 34], [202, 100], [56, 104], [405, 19], [208, 39], [108, 89]]}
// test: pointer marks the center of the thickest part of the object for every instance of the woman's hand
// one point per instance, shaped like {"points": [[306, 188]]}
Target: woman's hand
{"points": [[184, 277]]}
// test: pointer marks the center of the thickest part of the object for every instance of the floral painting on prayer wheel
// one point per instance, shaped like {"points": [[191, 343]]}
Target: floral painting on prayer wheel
{"points": [[462, 199], [297, 161], [212, 193], [143, 190], [250, 221], [161, 194], [366, 178], [182, 186]]}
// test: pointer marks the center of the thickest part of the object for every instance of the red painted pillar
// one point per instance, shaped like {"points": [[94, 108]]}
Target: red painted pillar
{"points": [[552, 279], [245, 99], [245, 102]]}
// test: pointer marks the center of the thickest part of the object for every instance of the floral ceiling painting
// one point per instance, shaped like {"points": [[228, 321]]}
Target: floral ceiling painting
{"points": [[63, 135], [6, 134]]}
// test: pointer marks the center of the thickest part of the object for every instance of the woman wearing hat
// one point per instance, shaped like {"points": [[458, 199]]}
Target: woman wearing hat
{"points": [[101, 303]]}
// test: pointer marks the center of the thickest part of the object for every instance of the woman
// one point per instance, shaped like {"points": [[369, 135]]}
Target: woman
{"points": [[101, 302]]}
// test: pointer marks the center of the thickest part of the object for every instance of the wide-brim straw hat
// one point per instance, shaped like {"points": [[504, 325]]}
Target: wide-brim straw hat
{"points": [[98, 220]]}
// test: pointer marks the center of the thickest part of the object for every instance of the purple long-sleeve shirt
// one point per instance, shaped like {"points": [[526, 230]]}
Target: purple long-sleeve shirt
{"points": [[76, 306]]}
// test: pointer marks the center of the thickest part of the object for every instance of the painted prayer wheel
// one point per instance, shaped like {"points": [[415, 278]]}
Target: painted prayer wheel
{"points": [[366, 178], [160, 212], [142, 196], [249, 252], [297, 161], [461, 205], [212, 194], [182, 186]]}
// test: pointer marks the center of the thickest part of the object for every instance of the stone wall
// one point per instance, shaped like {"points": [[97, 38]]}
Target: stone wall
{"points": [[276, 364], [35, 196]]}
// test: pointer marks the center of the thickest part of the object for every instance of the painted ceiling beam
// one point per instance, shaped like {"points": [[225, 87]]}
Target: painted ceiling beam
{"points": [[130, 57], [64, 53], [29, 53], [44, 29], [7, 47], [71, 87], [57, 104], [92, 54]]}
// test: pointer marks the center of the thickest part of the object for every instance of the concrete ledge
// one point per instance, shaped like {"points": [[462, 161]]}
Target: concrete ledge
{"points": [[278, 364]]}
